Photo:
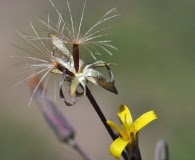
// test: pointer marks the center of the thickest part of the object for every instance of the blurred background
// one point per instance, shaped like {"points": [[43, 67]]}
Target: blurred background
{"points": [[154, 71]]}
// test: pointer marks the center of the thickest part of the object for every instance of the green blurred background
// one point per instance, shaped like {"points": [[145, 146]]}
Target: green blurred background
{"points": [[154, 71]]}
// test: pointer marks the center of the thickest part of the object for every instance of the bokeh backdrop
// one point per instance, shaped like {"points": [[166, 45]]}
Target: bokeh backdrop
{"points": [[155, 71]]}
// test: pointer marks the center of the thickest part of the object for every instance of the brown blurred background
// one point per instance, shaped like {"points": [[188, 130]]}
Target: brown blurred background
{"points": [[154, 71]]}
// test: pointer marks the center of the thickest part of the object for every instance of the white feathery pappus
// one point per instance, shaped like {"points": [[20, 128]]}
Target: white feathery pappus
{"points": [[50, 53]]}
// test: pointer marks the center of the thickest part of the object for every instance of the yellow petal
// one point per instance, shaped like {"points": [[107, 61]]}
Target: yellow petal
{"points": [[125, 117], [143, 120], [117, 129], [117, 147]]}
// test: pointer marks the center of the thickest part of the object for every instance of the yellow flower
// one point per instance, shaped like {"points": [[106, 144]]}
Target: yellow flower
{"points": [[128, 133]]}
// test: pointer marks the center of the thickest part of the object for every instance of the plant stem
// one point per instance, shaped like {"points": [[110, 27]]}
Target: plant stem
{"points": [[79, 149], [99, 112], [102, 117]]}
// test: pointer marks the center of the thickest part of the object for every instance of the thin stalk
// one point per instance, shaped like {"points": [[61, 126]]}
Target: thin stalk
{"points": [[81, 152], [102, 117]]}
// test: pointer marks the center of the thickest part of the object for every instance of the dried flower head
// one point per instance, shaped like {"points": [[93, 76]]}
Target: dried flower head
{"points": [[51, 55]]}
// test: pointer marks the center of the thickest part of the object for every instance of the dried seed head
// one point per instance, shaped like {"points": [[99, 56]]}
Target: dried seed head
{"points": [[50, 53]]}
